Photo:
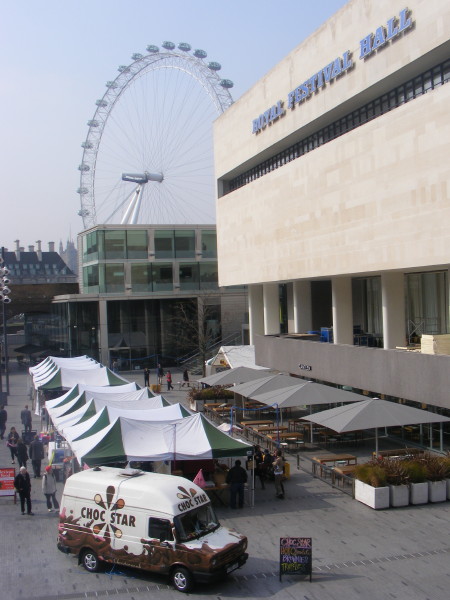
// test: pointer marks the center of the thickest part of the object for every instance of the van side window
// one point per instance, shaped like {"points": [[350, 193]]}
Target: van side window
{"points": [[160, 529]]}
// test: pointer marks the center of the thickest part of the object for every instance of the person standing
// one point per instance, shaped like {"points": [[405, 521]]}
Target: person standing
{"points": [[185, 378], [11, 442], [146, 377], [49, 488], [278, 470], [3, 419], [169, 381], [160, 372], [22, 453], [36, 455], [22, 484], [236, 477], [26, 418]]}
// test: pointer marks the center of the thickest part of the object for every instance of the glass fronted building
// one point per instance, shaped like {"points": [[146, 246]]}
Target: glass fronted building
{"points": [[139, 285]]}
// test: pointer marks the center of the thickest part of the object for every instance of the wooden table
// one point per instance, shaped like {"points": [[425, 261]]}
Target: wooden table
{"points": [[217, 492], [339, 473], [250, 423], [324, 459], [269, 428], [288, 435]]}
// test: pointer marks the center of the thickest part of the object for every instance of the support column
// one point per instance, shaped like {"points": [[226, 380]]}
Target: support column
{"points": [[342, 310], [271, 309], [103, 333], [255, 311], [302, 306], [393, 303]]}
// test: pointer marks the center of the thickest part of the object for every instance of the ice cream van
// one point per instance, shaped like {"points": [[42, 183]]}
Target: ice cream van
{"points": [[150, 521]]}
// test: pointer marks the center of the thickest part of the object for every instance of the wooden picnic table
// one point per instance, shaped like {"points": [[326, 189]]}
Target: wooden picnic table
{"points": [[269, 428], [259, 422], [323, 459]]}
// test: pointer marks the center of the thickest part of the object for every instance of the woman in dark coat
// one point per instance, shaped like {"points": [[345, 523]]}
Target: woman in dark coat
{"points": [[11, 442], [22, 453]]}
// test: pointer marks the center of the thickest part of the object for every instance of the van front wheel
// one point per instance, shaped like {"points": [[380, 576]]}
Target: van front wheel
{"points": [[90, 561], [182, 579]]}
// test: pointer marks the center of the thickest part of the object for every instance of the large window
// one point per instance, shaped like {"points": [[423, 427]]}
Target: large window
{"points": [[185, 244], [91, 279], [137, 245], [164, 244], [141, 278], [114, 278], [208, 276], [162, 276], [426, 304], [209, 244], [90, 246], [115, 244], [189, 276]]}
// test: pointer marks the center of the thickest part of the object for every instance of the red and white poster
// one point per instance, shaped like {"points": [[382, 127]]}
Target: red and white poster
{"points": [[7, 482]]}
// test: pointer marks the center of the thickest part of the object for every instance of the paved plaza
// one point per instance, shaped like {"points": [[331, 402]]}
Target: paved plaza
{"points": [[359, 553]]}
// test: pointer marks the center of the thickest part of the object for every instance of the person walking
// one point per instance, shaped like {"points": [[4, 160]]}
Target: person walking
{"points": [[36, 455], [146, 377], [169, 381], [278, 470], [22, 453], [236, 477], [3, 419], [22, 484], [185, 378], [49, 488], [26, 418], [11, 442]]}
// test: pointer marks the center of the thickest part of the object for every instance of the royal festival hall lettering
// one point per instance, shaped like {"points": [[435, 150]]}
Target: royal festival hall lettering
{"points": [[340, 65]]}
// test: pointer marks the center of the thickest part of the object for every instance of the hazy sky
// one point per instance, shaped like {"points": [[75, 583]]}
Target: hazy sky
{"points": [[57, 56]]}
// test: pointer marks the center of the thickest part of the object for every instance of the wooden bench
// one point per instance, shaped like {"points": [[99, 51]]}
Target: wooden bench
{"points": [[398, 453]]}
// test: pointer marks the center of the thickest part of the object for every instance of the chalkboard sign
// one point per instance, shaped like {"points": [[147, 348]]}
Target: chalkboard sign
{"points": [[296, 556]]}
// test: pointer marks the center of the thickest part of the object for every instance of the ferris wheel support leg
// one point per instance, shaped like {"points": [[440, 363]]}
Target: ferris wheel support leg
{"points": [[131, 209]]}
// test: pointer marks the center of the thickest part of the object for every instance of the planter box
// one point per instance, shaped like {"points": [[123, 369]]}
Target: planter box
{"points": [[418, 493], [447, 481], [437, 491], [377, 498], [399, 495]]}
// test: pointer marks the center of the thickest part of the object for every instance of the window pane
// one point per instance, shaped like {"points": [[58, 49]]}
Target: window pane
{"points": [[164, 244], [90, 279], [162, 276], [90, 247], [185, 244], [141, 278], [209, 244], [137, 244], [209, 276], [115, 244], [114, 278], [189, 276]]}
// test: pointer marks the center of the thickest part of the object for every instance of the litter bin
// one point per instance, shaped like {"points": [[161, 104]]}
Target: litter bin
{"points": [[287, 470]]}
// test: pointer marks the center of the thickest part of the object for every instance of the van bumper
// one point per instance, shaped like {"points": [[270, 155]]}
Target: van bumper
{"points": [[221, 573], [63, 548]]}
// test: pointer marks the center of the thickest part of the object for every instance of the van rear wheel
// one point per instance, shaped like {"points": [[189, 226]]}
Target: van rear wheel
{"points": [[182, 579], [90, 561]]}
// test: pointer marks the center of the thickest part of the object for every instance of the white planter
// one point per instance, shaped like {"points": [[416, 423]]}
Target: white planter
{"points": [[399, 495], [447, 481], [374, 497], [437, 491], [418, 493]]}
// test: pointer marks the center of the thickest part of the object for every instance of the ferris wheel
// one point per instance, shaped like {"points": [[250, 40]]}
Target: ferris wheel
{"points": [[148, 154]]}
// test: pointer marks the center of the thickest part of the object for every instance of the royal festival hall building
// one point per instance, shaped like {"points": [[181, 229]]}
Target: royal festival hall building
{"points": [[334, 203]]}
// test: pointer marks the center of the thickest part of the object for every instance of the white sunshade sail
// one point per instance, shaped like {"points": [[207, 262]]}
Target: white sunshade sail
{"points": [[269, 383], [306, 393], [233, 376], [373, 413]]}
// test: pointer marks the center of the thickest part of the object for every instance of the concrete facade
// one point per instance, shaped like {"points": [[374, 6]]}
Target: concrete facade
{"points": [[368, 203]]}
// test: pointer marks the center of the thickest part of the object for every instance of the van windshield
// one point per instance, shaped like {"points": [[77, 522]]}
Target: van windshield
{"points": [[196, 523]]}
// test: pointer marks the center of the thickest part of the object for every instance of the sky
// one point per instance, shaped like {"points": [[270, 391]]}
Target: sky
{"points": [[57, 56]]}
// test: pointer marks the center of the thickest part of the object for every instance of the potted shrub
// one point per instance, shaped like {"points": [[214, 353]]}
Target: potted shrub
{"points": [[370, 485], [418, 484], [397, 480], [436, 471]]}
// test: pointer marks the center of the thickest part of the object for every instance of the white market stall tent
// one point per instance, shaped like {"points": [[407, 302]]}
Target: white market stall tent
{"points": [[127, 439]]}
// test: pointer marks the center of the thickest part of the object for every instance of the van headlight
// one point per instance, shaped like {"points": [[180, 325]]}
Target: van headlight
{"points": [[214, 562]]}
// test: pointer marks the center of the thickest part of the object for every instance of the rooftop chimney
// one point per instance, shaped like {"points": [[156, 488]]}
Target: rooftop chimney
{"points": [[39, 251], [17, 243], [30, 248], [51, 246]]}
